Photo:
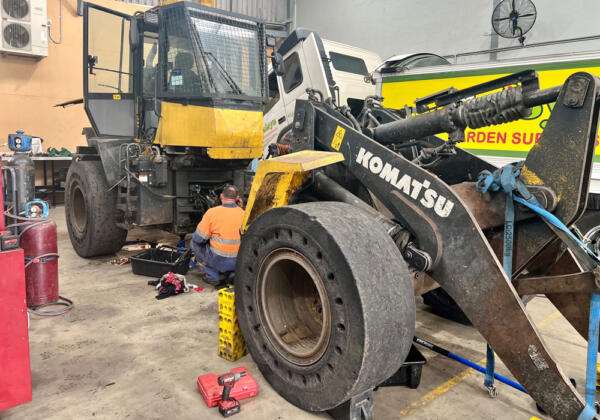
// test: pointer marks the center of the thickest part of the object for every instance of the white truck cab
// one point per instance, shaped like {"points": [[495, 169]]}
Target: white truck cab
{"points": [[336, 70]]}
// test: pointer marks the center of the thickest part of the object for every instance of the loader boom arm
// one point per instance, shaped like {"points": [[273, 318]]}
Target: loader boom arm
{"points": [[464, 263]]}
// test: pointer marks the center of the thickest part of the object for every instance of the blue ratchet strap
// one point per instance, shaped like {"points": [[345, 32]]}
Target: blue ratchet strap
{"points": [[589, 411], [489, 372], [506, 178]]}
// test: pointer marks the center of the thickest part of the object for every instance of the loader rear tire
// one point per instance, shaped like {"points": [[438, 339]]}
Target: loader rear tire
{"points": [[90, 210], [324, 301]]}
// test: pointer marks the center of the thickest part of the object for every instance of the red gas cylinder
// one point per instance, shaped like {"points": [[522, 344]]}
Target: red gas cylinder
{"points": [[41, 263]]}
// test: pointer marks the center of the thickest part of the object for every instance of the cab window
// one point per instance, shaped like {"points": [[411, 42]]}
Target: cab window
{"points": [[348, 63], [292, 77], [150, 64], [273, 92]]}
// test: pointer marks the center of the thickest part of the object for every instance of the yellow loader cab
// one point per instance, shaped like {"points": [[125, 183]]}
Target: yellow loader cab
{"points": [[211, 81], [413, 80], [174, 96]]}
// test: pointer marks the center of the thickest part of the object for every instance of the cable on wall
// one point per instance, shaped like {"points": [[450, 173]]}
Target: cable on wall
{"points": [[59, 24]]}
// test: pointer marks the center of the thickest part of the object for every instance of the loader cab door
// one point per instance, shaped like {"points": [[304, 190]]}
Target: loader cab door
{"points": [[108, 71]]}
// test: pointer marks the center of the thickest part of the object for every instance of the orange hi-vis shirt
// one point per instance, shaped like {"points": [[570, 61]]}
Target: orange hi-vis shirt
{"points": [[221, 226]]}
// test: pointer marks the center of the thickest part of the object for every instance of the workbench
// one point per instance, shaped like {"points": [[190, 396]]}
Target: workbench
{"points": [[51, 188]]}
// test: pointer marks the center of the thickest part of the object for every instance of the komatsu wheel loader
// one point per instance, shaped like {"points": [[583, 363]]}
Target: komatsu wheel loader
{"points": [[175, 97], [367, 211]]}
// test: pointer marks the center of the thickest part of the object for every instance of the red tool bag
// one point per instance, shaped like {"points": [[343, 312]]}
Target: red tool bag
{"points": [[212, 391]]}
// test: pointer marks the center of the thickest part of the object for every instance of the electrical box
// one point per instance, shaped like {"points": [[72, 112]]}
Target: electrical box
{"points": [[24, 28]]}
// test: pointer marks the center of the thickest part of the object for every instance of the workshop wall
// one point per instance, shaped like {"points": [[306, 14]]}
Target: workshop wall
{"points": [[29, 89], [444, 27]]}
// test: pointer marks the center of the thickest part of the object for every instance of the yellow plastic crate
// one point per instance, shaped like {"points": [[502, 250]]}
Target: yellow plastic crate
{"points": [[228, 324], [227, 302], [232, 354], [229, 356], [230, 335], [231, 343]]}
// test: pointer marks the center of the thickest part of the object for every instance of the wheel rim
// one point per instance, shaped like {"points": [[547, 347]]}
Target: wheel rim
{"points": [[293, 305], [78, 209], [592, 240]]}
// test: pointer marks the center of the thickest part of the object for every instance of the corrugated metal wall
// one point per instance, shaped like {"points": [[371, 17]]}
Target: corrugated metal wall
{"points": [[268, 10], [142, 2], [276, 11]]}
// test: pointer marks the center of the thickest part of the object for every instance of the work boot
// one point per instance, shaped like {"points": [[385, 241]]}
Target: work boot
{"points": [[205, 278]]}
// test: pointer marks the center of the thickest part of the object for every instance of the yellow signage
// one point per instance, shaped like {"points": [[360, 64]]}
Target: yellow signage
{"points": [[116, 97], [507, 140], [338, 137]]}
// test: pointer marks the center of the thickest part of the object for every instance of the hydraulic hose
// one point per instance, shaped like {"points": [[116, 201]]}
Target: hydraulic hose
{"points": [[68, 305]]}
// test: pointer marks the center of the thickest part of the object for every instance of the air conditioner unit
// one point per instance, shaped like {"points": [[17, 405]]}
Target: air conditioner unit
{"points": [[24, 27]]}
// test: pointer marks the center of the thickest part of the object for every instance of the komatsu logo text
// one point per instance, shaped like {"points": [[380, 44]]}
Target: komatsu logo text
{"points": [[416, 190]]}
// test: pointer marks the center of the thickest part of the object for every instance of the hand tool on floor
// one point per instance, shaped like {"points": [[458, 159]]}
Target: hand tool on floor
{"points": [[228, 406], [212, 392], [466, 362]]}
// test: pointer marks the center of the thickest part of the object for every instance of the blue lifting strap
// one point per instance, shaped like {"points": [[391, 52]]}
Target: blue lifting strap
{"points": [[489, 372], [506, 179]]}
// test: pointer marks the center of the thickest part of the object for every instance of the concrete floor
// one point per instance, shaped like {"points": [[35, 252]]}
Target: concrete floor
{"points": [[120, 353]]}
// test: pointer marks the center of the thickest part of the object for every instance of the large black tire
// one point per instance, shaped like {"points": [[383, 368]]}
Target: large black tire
{"points": [[324, 301], [90, 210]]}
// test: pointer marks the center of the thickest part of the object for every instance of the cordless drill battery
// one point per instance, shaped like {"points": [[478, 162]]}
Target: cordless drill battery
{"points": [[229, 407]]}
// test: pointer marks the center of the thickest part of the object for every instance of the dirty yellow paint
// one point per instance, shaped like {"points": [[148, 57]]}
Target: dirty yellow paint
{"points": [[451, 383], [278, 178], [235, 152], [201, 126], [529, 177]]}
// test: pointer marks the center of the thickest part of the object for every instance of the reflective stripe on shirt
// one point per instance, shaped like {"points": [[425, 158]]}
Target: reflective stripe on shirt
{"points": [[222, 253], [226, 241], [202, 234]]}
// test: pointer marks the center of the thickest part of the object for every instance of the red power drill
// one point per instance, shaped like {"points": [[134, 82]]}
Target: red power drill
{"points": [[229, 406]]}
